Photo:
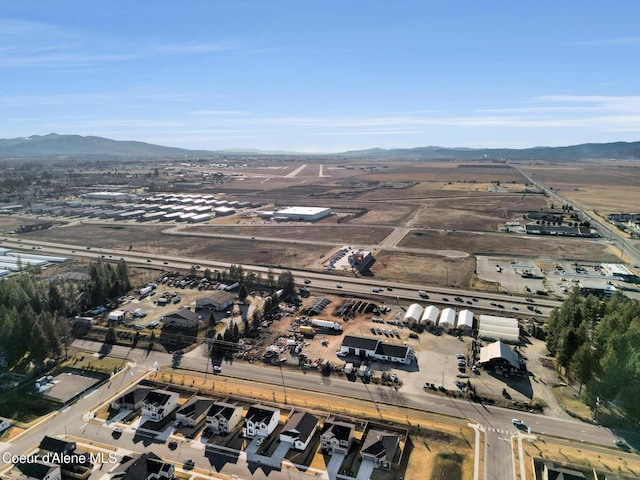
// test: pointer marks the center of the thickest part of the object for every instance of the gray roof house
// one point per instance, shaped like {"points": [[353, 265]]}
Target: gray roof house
{"points": [[299, 430], [337, 436], [194, 412], [261, 420], [380, 447], [223, 417]]}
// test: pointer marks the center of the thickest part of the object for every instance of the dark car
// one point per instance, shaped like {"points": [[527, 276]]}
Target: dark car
{"points": [[173, 445], [189, 464]]}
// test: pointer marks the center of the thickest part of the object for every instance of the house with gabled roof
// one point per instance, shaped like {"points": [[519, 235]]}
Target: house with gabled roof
{"points": [[380, 447], [159, 403], [194, 412], [132, 400], [144, 466], [337, 436], [299, 430], [55, 445], [223, 417], [261, 420], [39, 471]]}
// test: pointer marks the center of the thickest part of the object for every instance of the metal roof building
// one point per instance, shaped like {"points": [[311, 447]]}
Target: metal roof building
{"points": [[430, 315], [500, 328], [413, 314], [465, 320], [447, 319]]}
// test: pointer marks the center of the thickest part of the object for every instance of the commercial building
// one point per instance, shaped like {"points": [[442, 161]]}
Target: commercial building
{"points": [[499, 355], [413, 315], [361, 260], [217, 300], [373, 348], [430, 316], [183, 318], [305, 214]]}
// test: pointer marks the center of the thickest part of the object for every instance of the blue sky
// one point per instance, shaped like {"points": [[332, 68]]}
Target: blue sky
{"points": [[322, 76]]}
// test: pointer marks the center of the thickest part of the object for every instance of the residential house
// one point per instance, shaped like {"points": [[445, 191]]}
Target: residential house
{"points": [[261, 420], [159, 403], [144, 466], [380, 447], [194, 412], [55, 445], [39, 471], [299, 430], [223, 417], [132, 400], [337, 436]]}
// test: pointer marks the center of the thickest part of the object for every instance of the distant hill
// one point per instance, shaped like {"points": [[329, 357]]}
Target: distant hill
{"points": [[54, 145], [595, 151]]}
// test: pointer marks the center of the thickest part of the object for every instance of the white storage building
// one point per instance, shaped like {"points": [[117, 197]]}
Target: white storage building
{"points": [[500, 328], [430, 316], [465, 321], [447, 319], [307, 214], [413, 314]]}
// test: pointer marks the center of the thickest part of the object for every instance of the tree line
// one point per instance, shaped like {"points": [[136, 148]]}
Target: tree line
{"points": [[597, 343], [34, 312]]}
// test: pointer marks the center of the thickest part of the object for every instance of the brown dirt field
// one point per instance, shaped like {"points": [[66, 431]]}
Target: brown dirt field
{"points": [[611, 186], [327, 233], [445, 172], [429, 269], [151, 239], [509, 244], [609, 461]]}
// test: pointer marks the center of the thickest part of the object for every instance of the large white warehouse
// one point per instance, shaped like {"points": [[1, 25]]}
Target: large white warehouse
{"points": [[307, 214], [465, 321]]}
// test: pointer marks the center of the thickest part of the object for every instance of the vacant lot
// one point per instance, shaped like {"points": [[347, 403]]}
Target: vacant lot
{"points": [[428, 269], [151, 239], [511, 244], [339, 234], [611, 186]]}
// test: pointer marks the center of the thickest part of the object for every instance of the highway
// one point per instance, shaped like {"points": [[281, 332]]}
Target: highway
{"points": [[506, 305], [605, 230]]}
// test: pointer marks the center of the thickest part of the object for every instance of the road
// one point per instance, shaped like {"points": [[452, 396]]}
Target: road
{"points": [[324, 282], [495, 421], [605, 230]]}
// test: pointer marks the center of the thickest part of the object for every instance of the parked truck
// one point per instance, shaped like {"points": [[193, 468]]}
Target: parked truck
{"points": [[307, 330], [326, 325], [304, 292], [144, 292]]}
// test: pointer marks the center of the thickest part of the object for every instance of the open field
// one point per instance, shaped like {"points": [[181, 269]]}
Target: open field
{"points": [[428, 269], [149, 238], [612, 186], [511, 244], [345, 234]]}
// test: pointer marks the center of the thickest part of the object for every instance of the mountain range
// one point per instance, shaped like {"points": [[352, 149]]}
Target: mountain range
{"points": [[54, 145]]}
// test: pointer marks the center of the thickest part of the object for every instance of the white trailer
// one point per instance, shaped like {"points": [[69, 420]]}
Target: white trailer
{"points": [[326, 324]]}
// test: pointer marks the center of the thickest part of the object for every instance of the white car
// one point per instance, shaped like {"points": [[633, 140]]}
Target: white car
{"points": [[517, 422], [338, 285], [217, 369], [117, 431]]}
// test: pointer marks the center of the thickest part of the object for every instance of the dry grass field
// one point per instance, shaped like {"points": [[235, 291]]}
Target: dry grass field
{"points": [[428, 269], [510, 244], [339, 234], [611, 186]]}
